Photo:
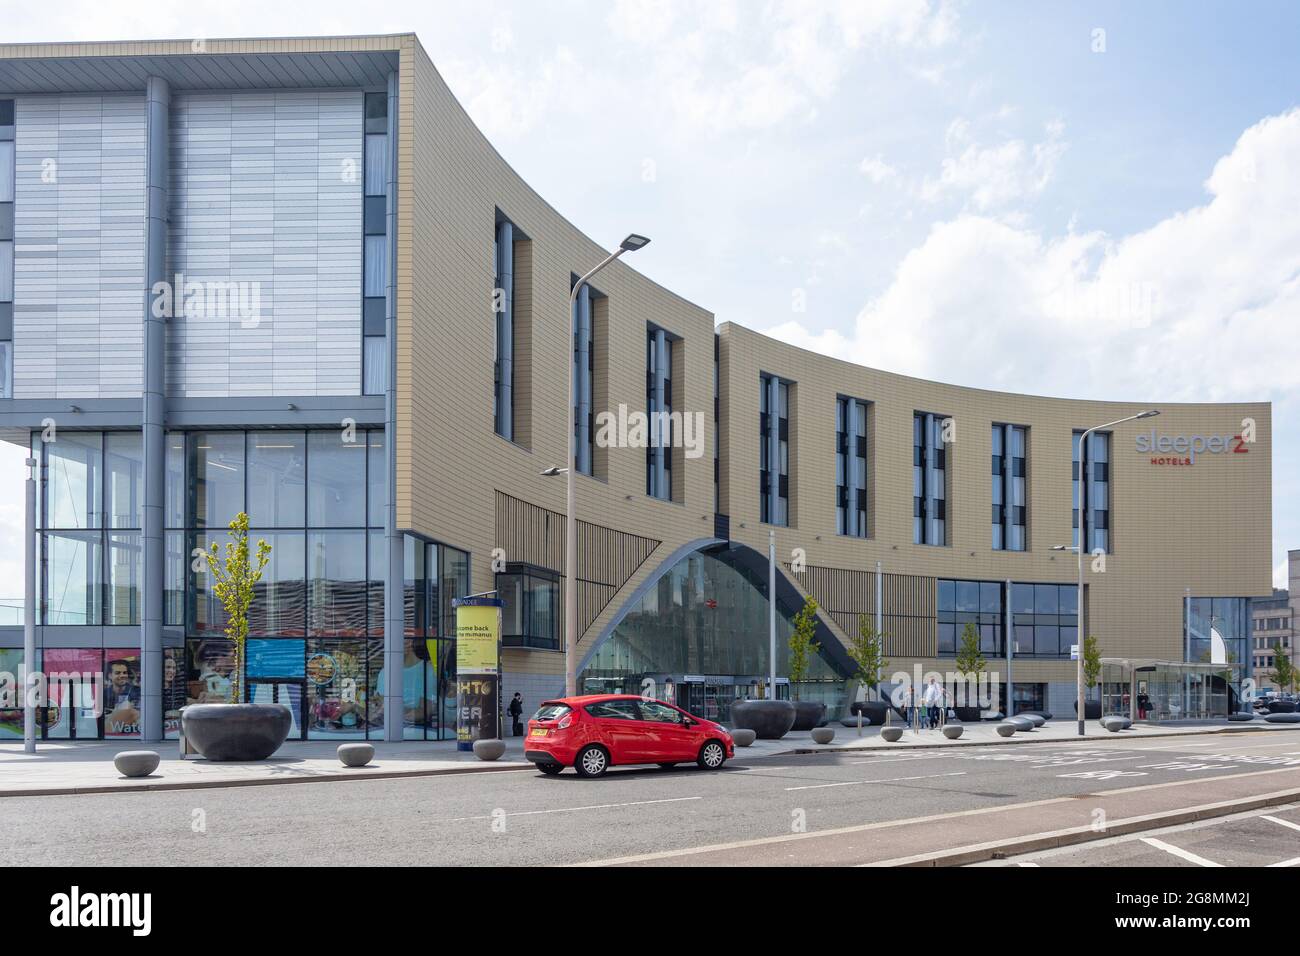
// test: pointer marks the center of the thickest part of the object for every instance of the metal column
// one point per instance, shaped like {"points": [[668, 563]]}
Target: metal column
{"points": [[153, 413], [394, 605]]}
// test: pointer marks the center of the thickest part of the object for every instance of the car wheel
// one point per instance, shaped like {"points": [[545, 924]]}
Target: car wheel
{"points": [[550, 769], [712, 755], [591, 762]]}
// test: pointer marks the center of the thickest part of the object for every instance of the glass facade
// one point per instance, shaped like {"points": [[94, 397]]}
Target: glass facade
{"points": [[1218, 631], [704, 624], [317, 617], [970, 602], [659, 407], [1095, 490], [1010, 504], [1044, 619], [8, 172], [531, 616], [374, 303], [851, 467], [929, 479]]}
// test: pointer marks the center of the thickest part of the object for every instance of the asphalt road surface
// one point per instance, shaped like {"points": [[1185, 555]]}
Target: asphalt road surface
{"points": [[751, 807]]}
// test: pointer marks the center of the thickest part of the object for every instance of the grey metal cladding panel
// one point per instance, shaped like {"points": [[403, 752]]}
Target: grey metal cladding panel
{"points": [[79, 251], [266, 191]]}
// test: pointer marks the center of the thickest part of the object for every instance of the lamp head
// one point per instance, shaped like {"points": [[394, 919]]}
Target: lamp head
{"points": [[1149, 413], [633, 242]]}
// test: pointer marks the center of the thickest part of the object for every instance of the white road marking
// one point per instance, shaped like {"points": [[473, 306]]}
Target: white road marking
{"points": [[597, 806], [1026, 863], [1179, 852], [1285, 823], [1292, 862], [858, 783]]}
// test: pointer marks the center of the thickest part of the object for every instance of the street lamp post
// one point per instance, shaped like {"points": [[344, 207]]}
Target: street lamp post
{"points": [[1082, 547], [631, 244]]}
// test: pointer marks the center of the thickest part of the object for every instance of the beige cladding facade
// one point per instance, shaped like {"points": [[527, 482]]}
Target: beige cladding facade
{"points": [[1204, 527]]}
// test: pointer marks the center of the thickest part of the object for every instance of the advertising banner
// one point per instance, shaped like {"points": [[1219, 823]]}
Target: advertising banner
{"points": [[478, 670]]}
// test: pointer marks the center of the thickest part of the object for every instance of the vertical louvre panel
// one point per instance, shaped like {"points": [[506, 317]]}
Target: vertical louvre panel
{"points": [[908, 614], [607, 558]]}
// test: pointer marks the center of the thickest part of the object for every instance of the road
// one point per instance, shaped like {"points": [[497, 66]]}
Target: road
{"points": [[806, 809]]}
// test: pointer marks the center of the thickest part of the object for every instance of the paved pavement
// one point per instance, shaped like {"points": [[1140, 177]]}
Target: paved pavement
{"points": [[87, 767], [1260, 838], [854, 806]]}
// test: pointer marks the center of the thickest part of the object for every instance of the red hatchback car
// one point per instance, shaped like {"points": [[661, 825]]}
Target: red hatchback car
{"points": [[599, 731]]}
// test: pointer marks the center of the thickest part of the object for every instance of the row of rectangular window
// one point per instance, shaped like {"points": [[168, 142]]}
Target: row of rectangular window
{"points": [[659, 405], [774, 450], [8, 174], [375, 265]]}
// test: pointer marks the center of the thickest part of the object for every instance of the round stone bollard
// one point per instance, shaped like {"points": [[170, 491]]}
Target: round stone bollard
{"points": [[892, 734], [489, 749], [1022, 723], [1113, 724], [1036, 719], [136, 763], [743, 737], [823, 735], [952, 731], [356, 755], [1006, 730]]}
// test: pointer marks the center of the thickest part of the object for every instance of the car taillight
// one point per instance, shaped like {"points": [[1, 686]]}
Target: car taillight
{"points": [[565, 721]]}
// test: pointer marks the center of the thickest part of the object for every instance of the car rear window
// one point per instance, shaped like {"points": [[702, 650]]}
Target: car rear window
{"points": [[551, 711], [614, 709]]}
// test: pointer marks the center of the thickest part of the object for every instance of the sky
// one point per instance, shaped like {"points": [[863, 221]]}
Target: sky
{"points": [[1090, 200]]}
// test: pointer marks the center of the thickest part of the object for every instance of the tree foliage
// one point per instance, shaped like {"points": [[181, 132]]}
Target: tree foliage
{"points": [[802, 645], [867, 649], [235, 580]]}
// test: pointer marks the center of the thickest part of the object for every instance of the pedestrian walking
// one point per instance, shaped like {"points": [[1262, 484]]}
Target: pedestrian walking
{"points": [[516, 712], [933, 701]]}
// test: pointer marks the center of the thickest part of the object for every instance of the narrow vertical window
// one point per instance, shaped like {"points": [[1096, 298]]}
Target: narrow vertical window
{"points": [[503, 306], [8, 172], [659, 405], [584, 367], [1008, 477], [374, 302], [774, 456], [929, 479], [1091, 474], [851, 467]]}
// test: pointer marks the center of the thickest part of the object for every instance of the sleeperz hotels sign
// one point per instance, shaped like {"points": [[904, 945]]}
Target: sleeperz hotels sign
{"points": [[1183, 450]]}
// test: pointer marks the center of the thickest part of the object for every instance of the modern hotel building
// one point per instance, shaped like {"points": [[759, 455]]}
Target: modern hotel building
{"points": [[291, 278]]}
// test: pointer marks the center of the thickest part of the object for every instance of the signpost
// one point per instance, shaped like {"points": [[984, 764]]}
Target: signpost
{"points": [[478, 669]]}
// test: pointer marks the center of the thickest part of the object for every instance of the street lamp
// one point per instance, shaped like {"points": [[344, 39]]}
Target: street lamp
{"points": [[1082, 546], [631, 244]]}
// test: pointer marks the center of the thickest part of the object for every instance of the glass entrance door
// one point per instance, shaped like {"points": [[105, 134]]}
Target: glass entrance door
{"points": [[260, 690]]}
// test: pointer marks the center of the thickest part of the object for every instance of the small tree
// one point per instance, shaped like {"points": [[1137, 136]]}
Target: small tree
{"points": [[1091, 661], [235, 580], [1284, 671], [867, 650], [802, 645], [970, 662]]}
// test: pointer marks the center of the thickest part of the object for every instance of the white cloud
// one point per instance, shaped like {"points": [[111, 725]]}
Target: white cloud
{"points": [[877, 170], [994, 176], [1179, 309]]}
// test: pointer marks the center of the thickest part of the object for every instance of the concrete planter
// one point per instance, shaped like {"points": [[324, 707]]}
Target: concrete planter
{"points": [[823, 735], [892, 734], [489, 749], [742, 737], [236, 731], [1006, 730], [355, 755], [768, 719], [967, 714], [136, 763], [952, 731], [808, 714], [1091, 709]]}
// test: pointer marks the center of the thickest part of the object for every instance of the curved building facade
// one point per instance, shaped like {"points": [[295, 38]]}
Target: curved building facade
{"points": [[378, 374]]}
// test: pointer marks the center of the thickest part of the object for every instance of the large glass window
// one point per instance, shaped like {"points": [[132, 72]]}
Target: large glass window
{"points": [[336, 583], [74, 581], [216, 470], [336, 689], [279, 598], [124, 479], [125, 578], [530, 617], [277, 467], [336, 491], [774, 450], [1044, 619], [74, 494], [977, 604]]}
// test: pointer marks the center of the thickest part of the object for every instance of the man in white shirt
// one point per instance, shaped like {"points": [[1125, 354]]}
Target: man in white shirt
{"points": [[933, 701]]}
